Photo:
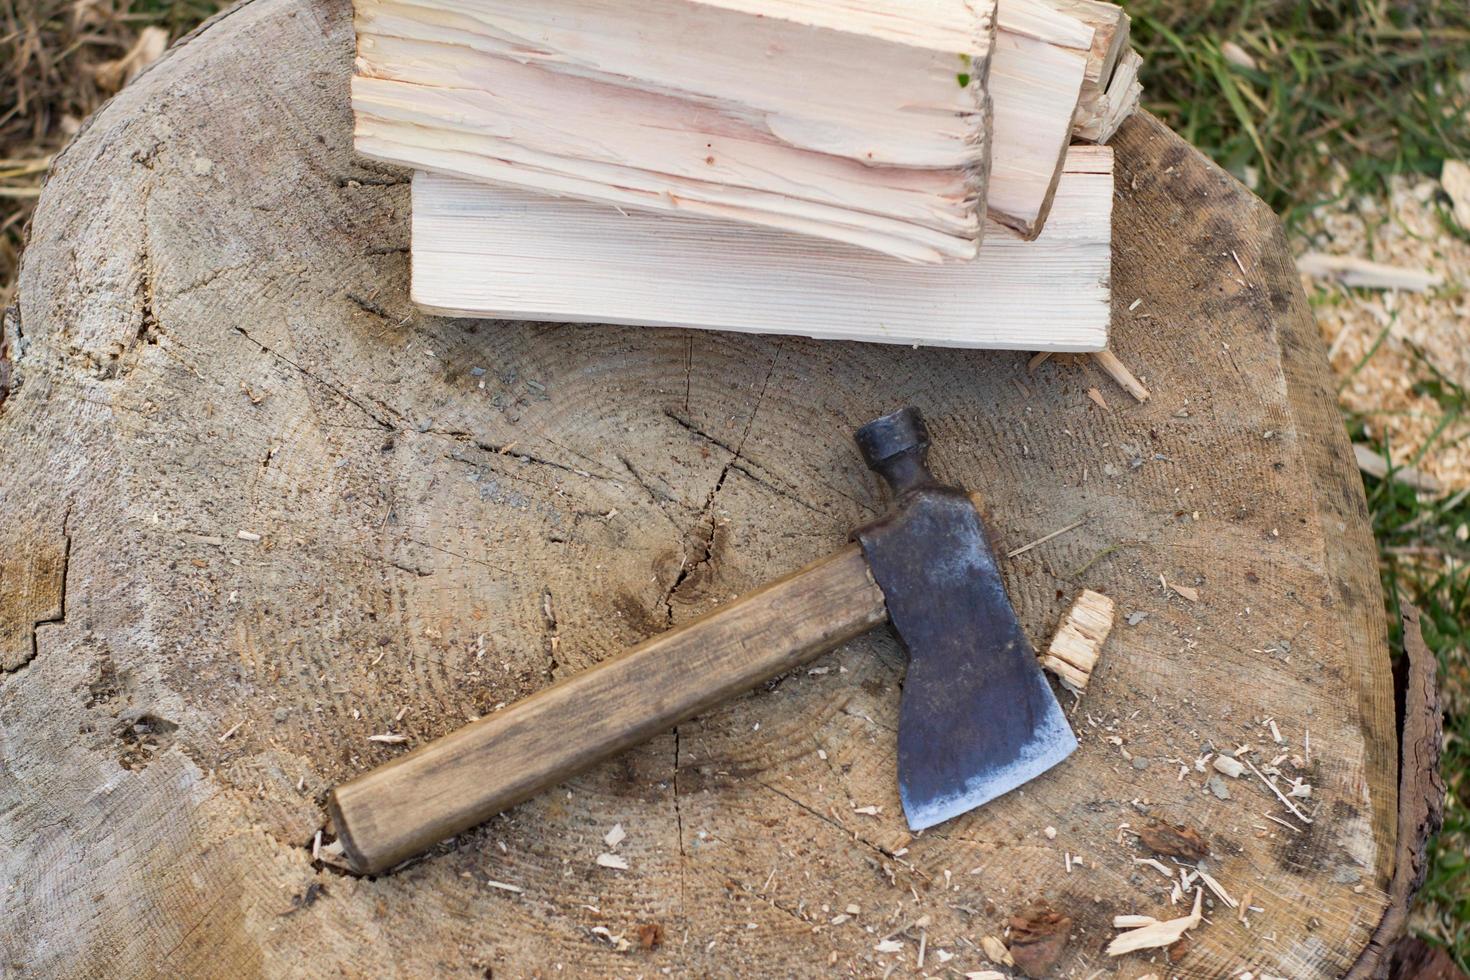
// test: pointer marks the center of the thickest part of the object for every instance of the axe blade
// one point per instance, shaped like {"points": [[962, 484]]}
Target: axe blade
{"points": [[977, 717]]}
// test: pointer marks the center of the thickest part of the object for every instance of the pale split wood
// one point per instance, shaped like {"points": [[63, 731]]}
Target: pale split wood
{"points": [[1155, 933], [485, 251], [1110, 24], [1372, 462], [1037, 72], [1120, 100], [402, 563], [1365, 274], [884, 144], [1119, 372], [1078, 641]]}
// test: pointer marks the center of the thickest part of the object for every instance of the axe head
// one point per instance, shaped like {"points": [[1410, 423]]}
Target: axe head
{"points": [[977, 717]]}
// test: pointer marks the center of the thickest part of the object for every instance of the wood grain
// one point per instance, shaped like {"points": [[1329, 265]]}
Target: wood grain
{"points": [[32, 594], [691, 110], [486, 251], [457, 781], [1038, 66], [405, 513]]}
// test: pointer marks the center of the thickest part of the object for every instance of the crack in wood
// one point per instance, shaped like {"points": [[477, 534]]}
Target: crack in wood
{"points": [[368, 306], [655, 494], [705, 525], [335, 389], [9, 320], [829, 820], [553, 634]]}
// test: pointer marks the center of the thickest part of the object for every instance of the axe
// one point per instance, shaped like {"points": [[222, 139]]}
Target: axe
{"points": [[977, 717]]}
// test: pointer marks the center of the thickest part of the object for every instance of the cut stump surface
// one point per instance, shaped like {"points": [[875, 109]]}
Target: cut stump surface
{"points": [[257, 509]]}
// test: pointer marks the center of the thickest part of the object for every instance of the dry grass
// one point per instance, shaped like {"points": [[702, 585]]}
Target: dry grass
{"points": [[62, 59]]}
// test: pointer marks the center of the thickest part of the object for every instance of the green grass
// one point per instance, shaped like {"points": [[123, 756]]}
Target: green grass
{"points": [[1379, 87], [1373, 88]]}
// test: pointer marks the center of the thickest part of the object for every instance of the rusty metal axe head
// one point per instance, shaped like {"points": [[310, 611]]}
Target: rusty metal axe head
{"points": [[977, 717]]}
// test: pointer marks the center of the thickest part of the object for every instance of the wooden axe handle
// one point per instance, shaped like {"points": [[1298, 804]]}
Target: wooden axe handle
{"points": [[461, 779]]}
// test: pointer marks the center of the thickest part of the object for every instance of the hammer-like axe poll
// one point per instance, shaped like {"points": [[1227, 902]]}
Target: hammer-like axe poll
{"points": [[977, 717]]}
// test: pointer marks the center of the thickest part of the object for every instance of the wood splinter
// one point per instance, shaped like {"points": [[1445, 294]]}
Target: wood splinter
{"points": [[1119, 372], [1078, 641]]}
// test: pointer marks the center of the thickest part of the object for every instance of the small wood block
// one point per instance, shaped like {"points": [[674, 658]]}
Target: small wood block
{"points": [[1078, 641]]}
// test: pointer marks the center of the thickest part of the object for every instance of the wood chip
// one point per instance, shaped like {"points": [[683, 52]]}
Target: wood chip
{"points": [[1363, 274], [1279, 795], [1217, 888], [232, 730], [996, 951], [1077, 645], [1043, 540], [1097, 398], [1288, 826], [985, 975], [616, 942], [1371, 462], [615, 836], [1119, 372], [334, 854], [1174, 840], [247, 535], [1133, 921], [1183, 590], [1157, 934], [889, 946], [388, 739], [504, 887], [1229, 766], [612, 861], [1157, 865]]}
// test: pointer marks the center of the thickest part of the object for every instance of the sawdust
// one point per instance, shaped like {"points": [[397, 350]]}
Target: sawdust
{"points": [[1392, 387]]}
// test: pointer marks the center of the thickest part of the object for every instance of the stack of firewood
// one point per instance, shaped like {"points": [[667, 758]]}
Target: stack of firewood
{"points": [[887, 170]]}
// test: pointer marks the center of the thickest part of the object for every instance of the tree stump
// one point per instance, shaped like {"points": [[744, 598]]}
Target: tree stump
{"points": [[255, 509]]}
